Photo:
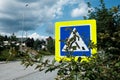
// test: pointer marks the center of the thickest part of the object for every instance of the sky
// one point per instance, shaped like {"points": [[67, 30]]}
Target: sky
{"points": [[36, 18]]}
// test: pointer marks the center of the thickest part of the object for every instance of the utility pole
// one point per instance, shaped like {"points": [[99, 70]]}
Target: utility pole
{"points": [[23, 25]]}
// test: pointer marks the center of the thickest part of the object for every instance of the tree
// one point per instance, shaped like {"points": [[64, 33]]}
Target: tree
{"points": [[30, 42], [37, 44], [5, 38], [13, 37], [1, 40], [108, 27], [51, 45], [106, 64]]}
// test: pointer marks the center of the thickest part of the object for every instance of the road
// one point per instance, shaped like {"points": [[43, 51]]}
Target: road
{"points": [[16, 71]]}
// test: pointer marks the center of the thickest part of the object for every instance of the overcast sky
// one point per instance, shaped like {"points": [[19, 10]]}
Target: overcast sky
{"points": [[39, 16]]}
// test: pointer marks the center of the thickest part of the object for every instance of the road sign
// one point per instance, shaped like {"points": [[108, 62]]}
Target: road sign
{"points": [[74, 36]]}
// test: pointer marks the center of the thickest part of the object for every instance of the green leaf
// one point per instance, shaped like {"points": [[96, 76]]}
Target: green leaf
{"points": [[38, 66], [50, 69], [74, 47], [117, 64], [79, 59], [53, 61]]}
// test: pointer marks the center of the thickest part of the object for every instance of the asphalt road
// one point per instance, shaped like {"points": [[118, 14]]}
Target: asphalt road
{"points": [[16, 71]]}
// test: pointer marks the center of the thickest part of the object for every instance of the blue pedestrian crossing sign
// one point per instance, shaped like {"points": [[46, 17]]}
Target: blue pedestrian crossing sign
{"points": [[73, 38]]}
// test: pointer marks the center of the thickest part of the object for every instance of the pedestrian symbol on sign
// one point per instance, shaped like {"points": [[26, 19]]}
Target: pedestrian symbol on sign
{"points": [[75, 40]]}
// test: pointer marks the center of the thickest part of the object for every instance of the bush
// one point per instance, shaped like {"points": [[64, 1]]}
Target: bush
{"points": [[4, 55]]}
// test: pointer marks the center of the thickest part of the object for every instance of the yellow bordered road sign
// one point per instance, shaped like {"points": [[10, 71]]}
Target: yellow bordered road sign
{"points": [[85, 31]]}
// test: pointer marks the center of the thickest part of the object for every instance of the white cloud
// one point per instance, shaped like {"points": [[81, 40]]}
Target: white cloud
{"points": [[81, 10], [3, 34], [38, 13], [37, 36]]}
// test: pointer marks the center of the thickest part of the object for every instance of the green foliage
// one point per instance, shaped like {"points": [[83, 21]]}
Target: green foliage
{"points": [[51, 45], [13, 37], [4, 55], [105, 65], [37, 44], [42, 52], [30, 42]]}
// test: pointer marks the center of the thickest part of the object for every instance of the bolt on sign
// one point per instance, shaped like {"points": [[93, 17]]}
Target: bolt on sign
{"points": [[73, 38]]}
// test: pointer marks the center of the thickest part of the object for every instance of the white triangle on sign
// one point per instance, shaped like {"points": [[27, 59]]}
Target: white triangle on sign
{"points": [[79, 43]]}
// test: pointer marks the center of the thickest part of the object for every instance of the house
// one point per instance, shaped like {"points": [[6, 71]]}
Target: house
{"points": [[6, 43]]}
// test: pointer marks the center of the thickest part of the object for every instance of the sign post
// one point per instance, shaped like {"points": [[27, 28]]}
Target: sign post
{"points": [[75, 37]]}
